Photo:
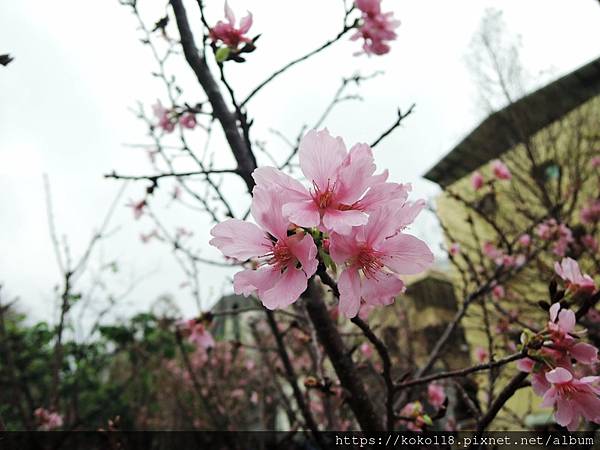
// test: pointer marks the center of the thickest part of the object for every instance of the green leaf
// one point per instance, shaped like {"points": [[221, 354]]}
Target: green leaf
{"points": [[222, 54]]}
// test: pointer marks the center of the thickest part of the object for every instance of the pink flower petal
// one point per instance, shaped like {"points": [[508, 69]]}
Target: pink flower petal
{"points": [[267, 204], [382, 290], [343, 221], [305, 250], [349, 286], [584, 353], [304, 213], [559, 375], [240, 240], [320, 156], [406, 254], [291, 284]]}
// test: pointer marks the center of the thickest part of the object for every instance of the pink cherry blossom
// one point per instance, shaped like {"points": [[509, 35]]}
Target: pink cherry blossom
{"points": [[590, 213], [366, 350], [371, 7], [164, 118], [595, 162], [538, 378], [285, 262], [590, 242], [477, 180], [572, 398], [344, 187], [47, 420], [198, 334], [575, 281], [188, 120], [137, 207], [454, 249], [373, 255], [227, 33], [481, 354], [376, 31], [500, 170], [550, 230], [498, 292], [413, 412], [525, 240], [436, 395], [564, 345]]}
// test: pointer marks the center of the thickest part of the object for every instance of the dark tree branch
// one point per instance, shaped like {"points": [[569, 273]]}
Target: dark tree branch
{"points": [[330, 339], [396, 124], [153, 178], [241, 151]]}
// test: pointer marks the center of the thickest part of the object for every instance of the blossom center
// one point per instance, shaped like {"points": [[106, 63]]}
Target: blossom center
{"points": [[369, 260], [323, 199], [280, 256]]}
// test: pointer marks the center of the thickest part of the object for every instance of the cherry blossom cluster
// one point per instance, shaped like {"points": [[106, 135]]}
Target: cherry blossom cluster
{"points": [[168, 118], [559, 362], [47, 420], [348, 219], [499, 170], [376, 28], [227, 37]]}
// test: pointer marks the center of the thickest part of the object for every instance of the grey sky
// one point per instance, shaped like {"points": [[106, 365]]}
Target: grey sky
{"points": [[79, 66]]}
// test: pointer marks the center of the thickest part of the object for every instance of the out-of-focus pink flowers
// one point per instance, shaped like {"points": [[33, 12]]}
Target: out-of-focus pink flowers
{"points": [[366, 350], [454, 249], [481, 355], [48, 420], [525, 240], [286, 261], [373, 255], [550, 230], [412, 416], [572, 398], [477, 180], [436, 395], [137, 207], [590, 242], [500, 170], [595, 162], [164, 117], [188, 120], [228, 33], [575, 281], [376, 29], [590, 213], [198, 334], [344, 187], [498, 292]]}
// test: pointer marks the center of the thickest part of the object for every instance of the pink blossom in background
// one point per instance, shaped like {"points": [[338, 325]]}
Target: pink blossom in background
{"points": [[344, 187], [595, 162], [454, 249], [413, 412], [188, 120], [590, 242], [481, 355], [376, 29], [572, 398], [500, 170], [164, 119], [477, 180], [525, 240], [227, 33], [436, 395], [498, 292], [47, 420], [285, 262], [198, 334], [373, 255], [366, 350], [137, 207], [370, 7], [562, 235], [590, 213], [145, 238], [575, 281]]}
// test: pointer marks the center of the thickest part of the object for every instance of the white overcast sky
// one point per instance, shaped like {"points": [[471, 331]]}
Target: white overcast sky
{"points": [[79, 66]]}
